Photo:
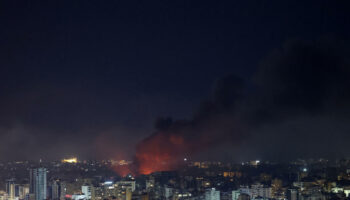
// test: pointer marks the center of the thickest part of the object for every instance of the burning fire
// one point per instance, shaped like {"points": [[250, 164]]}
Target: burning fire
{"points": [[161, 152]]}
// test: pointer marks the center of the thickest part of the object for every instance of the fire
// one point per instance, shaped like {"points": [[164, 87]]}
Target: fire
{"points": [[70, 160], [161, 152]]}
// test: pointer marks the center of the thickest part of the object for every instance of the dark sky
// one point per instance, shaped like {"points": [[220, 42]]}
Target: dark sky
{"points": [[78, 75]]}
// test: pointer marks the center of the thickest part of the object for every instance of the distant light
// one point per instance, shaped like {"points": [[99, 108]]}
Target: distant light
{"points": [[257, 161], [185, 159], [70, 160], [304, 169], [108, 182]]}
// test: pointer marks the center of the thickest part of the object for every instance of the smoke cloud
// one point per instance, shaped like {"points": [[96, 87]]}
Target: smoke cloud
{"points": [[295, 91]]}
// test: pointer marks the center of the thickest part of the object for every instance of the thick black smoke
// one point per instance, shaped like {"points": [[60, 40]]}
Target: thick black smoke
{"points": [[302, 103], [306, 76], [296, 103]]}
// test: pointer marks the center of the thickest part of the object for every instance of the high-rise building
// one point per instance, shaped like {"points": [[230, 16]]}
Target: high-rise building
{"points": [[88, 191], [31, 181], [63, 190], [38, 184], [55, 190], [212, 194], [292, 194], [22, 191], [10, 189]]}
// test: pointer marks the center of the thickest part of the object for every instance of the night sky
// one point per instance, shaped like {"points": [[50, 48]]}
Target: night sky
{"points": [[259, 79]]}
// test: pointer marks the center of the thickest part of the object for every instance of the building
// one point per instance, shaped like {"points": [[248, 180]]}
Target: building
{"points": [[126, 184], [168, 192], [235, 194], [257, 190], [55, 190], [38, 183], [244, 197], [78, 197], [63, 190], [128, 194], [88, 191], [212, 194], [292, 194], [22, 191], [10, 189], [31, 181], [3, 195]]}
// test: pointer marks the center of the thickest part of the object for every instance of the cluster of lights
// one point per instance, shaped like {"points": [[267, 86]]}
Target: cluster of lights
{"points": [[185, 195], [123, 162], [70, 160]]}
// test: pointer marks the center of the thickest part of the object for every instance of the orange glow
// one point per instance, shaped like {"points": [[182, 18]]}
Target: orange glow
{"points": [[123, 170], [161, 152], [107, 145], [175, 139]]}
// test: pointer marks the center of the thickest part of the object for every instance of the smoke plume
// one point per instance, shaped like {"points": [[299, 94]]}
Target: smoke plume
{"points": [[300, 81]]}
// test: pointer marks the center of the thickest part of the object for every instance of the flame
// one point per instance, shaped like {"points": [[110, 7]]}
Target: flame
{"points": [[161, 152]]}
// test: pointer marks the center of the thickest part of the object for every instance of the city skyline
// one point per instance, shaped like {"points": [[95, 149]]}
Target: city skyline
{"points": [[174, 100], [163, 81], [253, 180]]}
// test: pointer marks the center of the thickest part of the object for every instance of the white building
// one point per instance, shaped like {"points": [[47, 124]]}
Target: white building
{"points": [[87, 191], [212, 194], [168, 192], [235, 194], [78, 197]]}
